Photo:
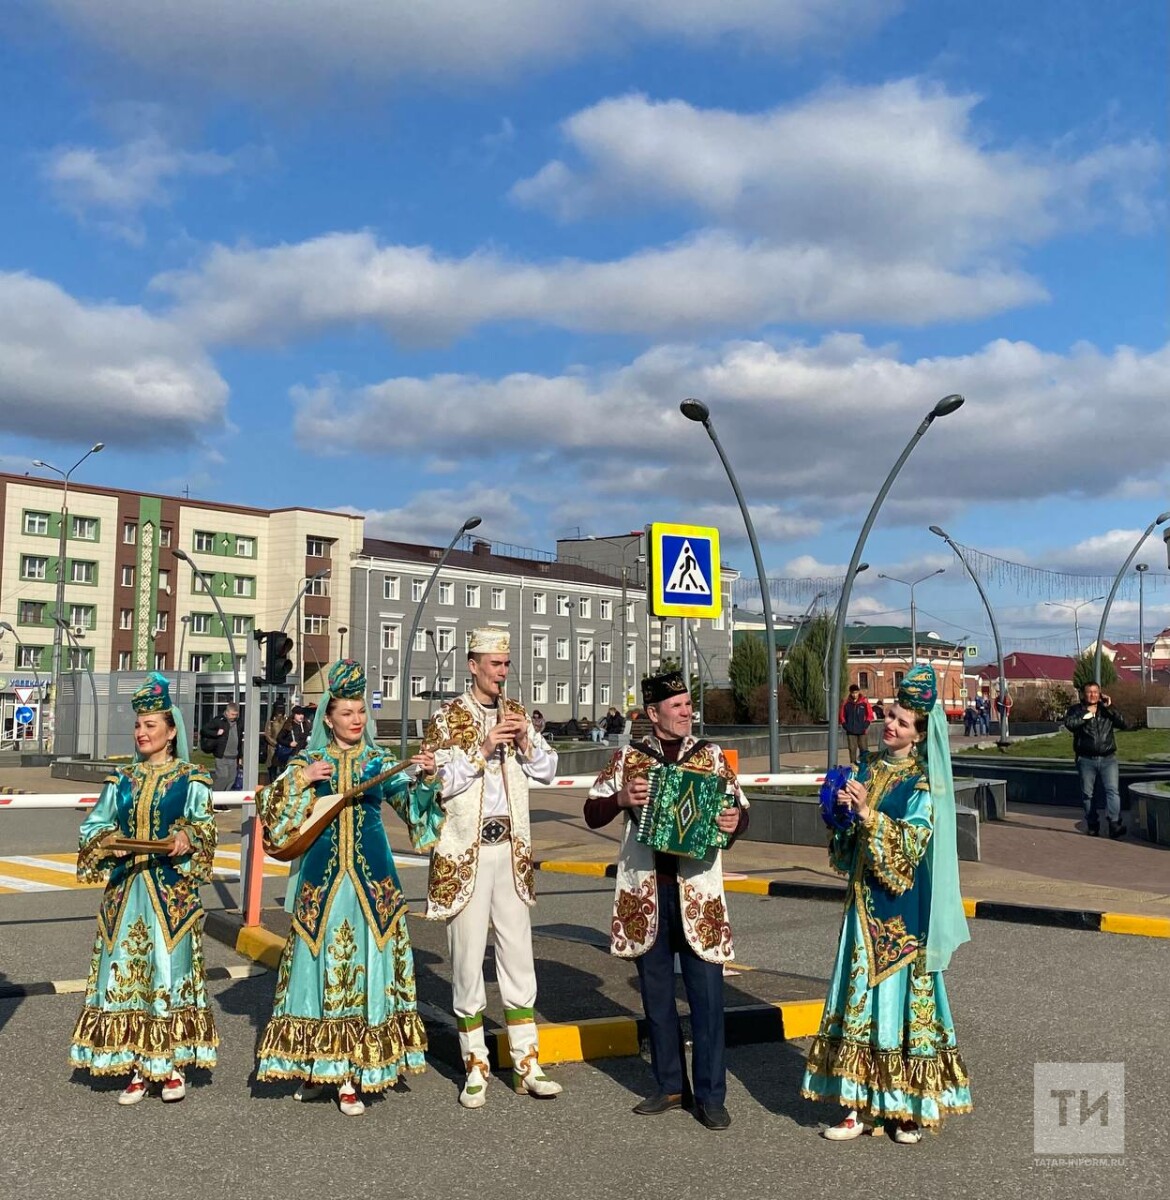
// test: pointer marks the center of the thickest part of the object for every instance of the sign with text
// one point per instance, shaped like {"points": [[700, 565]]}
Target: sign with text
{"points": [[684, 571]]}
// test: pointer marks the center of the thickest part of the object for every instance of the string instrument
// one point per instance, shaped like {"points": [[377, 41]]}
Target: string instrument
{"points": [[322, 812], [139, 845]]}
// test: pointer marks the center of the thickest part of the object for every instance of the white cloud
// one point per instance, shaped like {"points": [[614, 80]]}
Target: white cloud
{"points": [[432, 517], [711, 281], [114, 372], [892, 171], [254, 45]]}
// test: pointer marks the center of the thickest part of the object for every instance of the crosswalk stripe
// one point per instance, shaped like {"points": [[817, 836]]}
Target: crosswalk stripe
{"points": [[10, 883]]}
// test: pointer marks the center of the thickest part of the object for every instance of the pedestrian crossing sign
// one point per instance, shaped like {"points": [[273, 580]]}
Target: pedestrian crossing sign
{"points": [[684, 571]]}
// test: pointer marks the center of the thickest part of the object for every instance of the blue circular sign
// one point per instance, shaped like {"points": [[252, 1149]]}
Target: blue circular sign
{"points": [[25, 715]]}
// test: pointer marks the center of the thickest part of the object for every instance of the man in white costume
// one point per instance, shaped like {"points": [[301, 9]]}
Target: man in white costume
{"points": [[486, 750]]}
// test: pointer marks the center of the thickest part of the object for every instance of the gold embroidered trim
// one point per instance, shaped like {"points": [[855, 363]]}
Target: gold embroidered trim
{"points": [[143, 1033], [365, 1047], [890, 1070]]}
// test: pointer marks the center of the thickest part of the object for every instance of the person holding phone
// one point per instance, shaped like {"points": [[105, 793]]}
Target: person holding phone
{"points": [[1092, 723]]}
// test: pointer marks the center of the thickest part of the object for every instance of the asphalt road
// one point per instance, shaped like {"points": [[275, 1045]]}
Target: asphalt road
{"points": [[1021, 996]]}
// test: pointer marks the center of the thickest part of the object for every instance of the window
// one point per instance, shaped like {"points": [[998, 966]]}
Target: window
{"points": [[605, 610], [36, 522], [583, 693], [85, 529], [243, 585], [562, 692], [603, 693], [389, 687], [199, 583], [670, 637], [898, 677], [126, 618], [563, 649], [164, 535], [245, 547], [540, 602], [538, 692], [391, 634], [78, 658], [632, 654], [83, 572], [162, 622], [466, 683], [604, 652], [471, 595], [498, 599], [316, 547], [123, 660], [34, 566], [130, 533], [390, 587], [420, 640], [445, 639], [562, 606], [160, 662], [585, 606], [446, 593], [198, 662], [417, 587], [240, 625], [315, 624], [418, 685], [317, 587], [584, 649], [82, 616], [630, 611], [204, 541], [32, 612], [28, 656], [540, 645], [863, 680], [717, 623], [200, 622], [164, 580], [128, 575]]}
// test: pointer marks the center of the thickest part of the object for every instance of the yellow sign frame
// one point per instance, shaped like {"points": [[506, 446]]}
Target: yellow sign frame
{"points": [[660, 571]]}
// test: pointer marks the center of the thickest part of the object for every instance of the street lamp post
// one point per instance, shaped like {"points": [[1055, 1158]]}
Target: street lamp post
{"points": [[838, 619], [184, 620], [1003, 690], [1160, 519], [342, 630], [1075, 609], [575, 710], [59, 602], [947, 405], [913, 608], [469, 524], [4, 625], [801, 624], [209, 588], [696, 410], [1141, 569], [64, 627]]}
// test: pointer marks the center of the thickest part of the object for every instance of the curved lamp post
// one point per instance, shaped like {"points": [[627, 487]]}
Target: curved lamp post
{"points": [[838, 618], [37, 678], [1160, 519], [208, 587], [1141, 570], [913, 609], [408, 650], [59, 601], [1003, 690], [946, 406], [696, 410]]}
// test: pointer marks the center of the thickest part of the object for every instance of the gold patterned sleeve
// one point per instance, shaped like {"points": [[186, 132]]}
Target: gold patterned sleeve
{"points": [[285, 803], [893, 847], [843, 849], [100, 822], [198, 822], [436, 736]]}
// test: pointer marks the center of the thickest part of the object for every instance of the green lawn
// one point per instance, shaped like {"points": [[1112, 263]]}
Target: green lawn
{"points": [[1135, 745]]}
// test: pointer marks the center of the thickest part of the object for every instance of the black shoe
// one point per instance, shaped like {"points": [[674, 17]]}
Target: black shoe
{"points": [[1116, 829], [714, 1116], [660, 1102], [1093, 830]]}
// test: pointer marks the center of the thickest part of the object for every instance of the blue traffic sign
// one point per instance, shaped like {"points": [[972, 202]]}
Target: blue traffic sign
{"points": [[25, 715], [375, 699], [684, 571]]}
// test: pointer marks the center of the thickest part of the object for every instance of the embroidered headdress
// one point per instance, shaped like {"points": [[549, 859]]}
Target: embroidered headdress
{"points": [[154, 696], [490, 641], [657, 688]]}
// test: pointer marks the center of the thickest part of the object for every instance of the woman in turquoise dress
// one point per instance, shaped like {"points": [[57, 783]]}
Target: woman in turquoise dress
{"points": [[345, 1011], [146, 1012], [886, 1047]]}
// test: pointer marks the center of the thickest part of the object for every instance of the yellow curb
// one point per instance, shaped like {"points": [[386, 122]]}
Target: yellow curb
{"points": [[800, 1018], [969, 907], [575, 868], [1158, 927], [578, 1041], [260, 945], [754, 887]]}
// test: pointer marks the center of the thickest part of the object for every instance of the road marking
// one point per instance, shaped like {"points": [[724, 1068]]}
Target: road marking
{"points": [[11, 883]]}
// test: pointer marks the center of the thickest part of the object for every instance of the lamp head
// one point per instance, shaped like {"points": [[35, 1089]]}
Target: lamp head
{"points": [[695, 410], [948, 404], [1142, 567], [98, 446], [181, 554], [5, 625], [861, 567], [38, 462], [1163, 518], [471, 523]]}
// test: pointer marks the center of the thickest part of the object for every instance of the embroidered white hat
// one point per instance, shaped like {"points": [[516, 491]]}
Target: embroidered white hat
{"points": [[490, 641]]}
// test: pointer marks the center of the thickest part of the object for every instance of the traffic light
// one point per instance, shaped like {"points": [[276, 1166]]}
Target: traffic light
{"points": [[277, 656]]}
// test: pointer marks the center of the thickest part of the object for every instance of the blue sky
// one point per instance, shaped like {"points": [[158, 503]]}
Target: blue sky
{"points": [[423, 261]]}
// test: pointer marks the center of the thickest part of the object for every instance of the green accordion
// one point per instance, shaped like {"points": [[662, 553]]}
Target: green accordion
{"points": [[681, 815]]}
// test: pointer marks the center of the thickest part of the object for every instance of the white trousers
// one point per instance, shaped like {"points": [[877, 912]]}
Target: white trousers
{"points": [[494, 902]]}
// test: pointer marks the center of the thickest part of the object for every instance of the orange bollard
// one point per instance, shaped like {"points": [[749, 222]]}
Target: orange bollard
{"points": [[731, 757]]}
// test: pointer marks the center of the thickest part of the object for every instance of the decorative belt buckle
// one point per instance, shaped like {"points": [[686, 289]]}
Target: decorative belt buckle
{"points": [[494, 830]]}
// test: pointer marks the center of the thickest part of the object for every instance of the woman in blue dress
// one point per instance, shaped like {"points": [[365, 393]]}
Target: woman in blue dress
{"points": [[886, 1047], [146, 1012], [345, 1011]]}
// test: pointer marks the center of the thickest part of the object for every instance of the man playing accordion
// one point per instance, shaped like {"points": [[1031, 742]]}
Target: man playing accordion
{"points": [[668, 904]]}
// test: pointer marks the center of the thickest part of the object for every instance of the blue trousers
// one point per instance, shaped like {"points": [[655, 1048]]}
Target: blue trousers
{"points": [[1106, 770], [704, 987]]}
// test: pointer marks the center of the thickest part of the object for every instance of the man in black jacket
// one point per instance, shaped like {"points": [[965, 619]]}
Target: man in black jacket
{"points": [[224, 738], [1092, 723]]}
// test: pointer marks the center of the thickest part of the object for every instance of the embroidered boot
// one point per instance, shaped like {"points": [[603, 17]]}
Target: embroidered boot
{"points": [[527, 1076], [850, 1128], [175, 1087], [349, 1101], [134, 1091], [473, 1050]]}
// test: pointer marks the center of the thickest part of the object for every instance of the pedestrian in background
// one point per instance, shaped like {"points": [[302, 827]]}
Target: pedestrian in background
{"points": [[223, 739], [1092, 723], [855, 718]]}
